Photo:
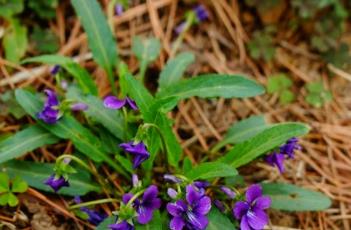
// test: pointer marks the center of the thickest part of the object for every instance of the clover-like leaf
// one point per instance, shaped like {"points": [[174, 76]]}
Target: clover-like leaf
{"points": [[19, 185]]}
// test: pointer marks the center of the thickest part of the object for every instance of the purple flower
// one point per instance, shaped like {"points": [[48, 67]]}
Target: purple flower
{"points": [[79, 106], [119, 9], [201, 184], [219, 205], [50, 112], [276, 159], [227, 191], [138, 150], [56, 183], [113, 102], [190, 214], [124, 225], [201, 13], [145, 207], [94, 217], [172, 178], [289, 147], [172, 193], [55, 69], [251, 212]]}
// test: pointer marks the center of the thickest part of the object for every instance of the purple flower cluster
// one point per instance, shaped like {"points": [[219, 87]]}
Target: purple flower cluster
{"points": [[286, 151], [251, 212], [113, 102], [138, 150], [191, 212], [56, 183], [50, 112], [146, 205]]}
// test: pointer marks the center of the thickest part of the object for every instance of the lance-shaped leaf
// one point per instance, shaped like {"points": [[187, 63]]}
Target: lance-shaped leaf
{"points": [[175, 68], [242, 131], [35, 174], [146, 50], [209, 170], [83, 78], [289, 197], [263, 142], [213, 85], [101, 41], [68, 128], [25, 141]]}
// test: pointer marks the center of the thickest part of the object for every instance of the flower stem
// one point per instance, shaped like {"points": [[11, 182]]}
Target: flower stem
{"points": [[94, 202], [130, 202], [178, 41]]}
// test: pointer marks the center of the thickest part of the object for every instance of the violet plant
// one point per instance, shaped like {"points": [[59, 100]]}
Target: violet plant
{"points": [[130, 133]]}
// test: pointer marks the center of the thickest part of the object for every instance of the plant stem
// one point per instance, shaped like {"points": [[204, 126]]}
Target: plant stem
{"points": [[142, 71], [102, 201], [135, 196], [178, 41]]}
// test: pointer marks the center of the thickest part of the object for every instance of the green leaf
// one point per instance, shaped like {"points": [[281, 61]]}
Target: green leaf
{"points": [[292, 198], [174, 150], [4, 198], [242, 131], [45, 9], [15, 41], [104, 224], [175, 68], [270, 138], [146, 50], [12, 200], [19, 185], [218, 221], [210, 170], [44, 40], [25, 141], [140, 94], [4, 182], [83, 78], [11, 106], [317, 94], [10, 7], [112, 120], [101, 41], [213, 85], [286, 97], [278, 82], [35, 174], [68, 128], [155, 224]]}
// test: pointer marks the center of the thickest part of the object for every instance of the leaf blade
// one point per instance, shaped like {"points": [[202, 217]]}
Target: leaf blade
{"points": [[210, 170], [175, 69], [101, 41], [35, 174], [213, 85], [25, 141], [263, 142], [289, 197]]}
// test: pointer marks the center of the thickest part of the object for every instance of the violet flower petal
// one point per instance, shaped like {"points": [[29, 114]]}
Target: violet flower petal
{"points": [[132, 104], [244, 224], [113, 102], [240, 209], [79, 106], [177, 223], [253, 192], [56, 183], [257, 219], [262, 202], [203, 205]]}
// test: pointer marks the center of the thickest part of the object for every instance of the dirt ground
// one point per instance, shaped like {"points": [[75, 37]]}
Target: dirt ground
{"points": [[324, 163]]}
